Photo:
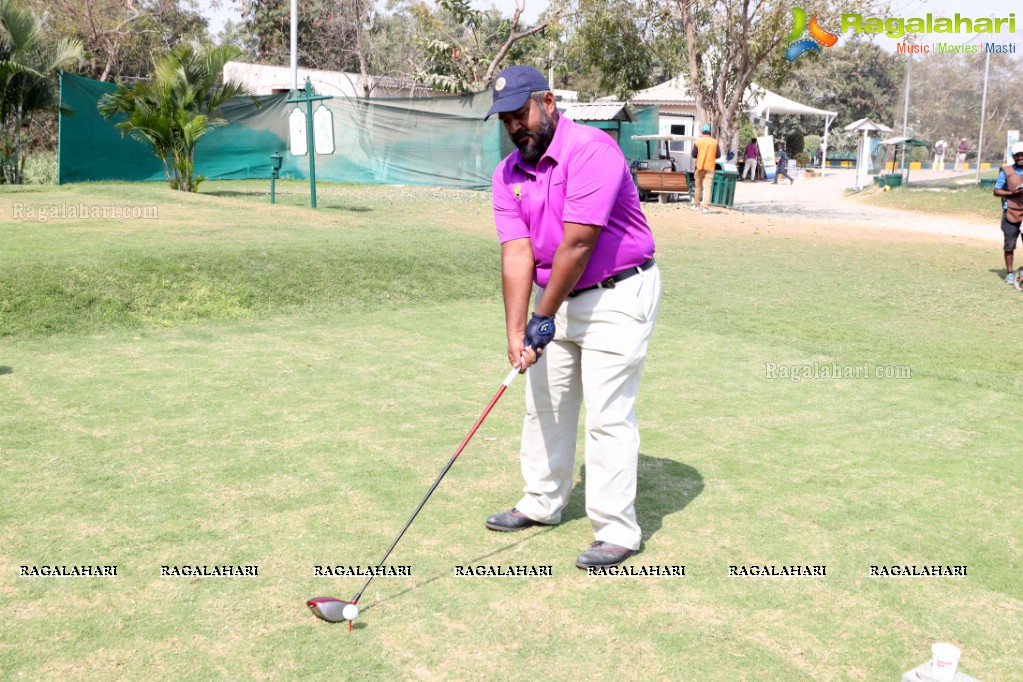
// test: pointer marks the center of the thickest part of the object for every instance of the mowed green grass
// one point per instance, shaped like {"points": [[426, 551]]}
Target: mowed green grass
{"points": [[244, 384], [956, 197]]}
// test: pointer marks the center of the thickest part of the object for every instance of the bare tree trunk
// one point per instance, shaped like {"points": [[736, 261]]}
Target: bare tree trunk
{"points": [[18, 167], [360, 49]]}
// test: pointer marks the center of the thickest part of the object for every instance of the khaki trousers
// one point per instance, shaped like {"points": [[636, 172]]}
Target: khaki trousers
{"points": [[750, 169], [702, 176], [596, 359]]}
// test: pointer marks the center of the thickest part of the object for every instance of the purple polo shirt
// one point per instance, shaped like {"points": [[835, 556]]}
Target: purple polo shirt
{"points": [[582, 178]]}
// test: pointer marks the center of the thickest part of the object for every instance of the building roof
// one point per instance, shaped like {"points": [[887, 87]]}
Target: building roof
{"points": [[669, 92], [762, 102], [598, 111]]}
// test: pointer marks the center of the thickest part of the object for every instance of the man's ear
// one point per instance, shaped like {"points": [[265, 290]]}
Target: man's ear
{"points": [[550, 102]]}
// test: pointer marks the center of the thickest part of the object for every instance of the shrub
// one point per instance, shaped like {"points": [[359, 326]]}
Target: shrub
{"points": [[41, 168]]}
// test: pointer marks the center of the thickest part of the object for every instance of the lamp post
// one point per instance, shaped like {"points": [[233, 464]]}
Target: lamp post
{"points": [[275, 168]]}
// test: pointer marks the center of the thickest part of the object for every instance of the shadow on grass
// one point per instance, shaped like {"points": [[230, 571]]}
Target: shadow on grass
{"points": [[664, 487], [999, 272], [4, 369], [236, 193], [264, 197], [474, 561], [349, 209]]}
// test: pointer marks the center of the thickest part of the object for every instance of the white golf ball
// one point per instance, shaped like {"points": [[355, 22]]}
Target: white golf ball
{"points": [[350, 612]]}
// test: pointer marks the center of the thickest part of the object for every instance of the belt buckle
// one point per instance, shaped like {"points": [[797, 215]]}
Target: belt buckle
{"points": [[608, 283]]}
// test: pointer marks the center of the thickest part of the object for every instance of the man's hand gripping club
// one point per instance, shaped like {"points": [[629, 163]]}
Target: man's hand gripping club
{"points": [[539, 332]]}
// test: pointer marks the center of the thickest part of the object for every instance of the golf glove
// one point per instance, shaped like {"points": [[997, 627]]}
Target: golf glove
{"points": [[539, 331]]}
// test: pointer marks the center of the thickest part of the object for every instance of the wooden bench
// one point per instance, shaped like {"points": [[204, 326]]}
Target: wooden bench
{"points": [[662, 183]]}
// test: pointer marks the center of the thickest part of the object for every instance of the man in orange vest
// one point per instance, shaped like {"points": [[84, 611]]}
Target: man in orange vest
{"points": [[706, 152]]}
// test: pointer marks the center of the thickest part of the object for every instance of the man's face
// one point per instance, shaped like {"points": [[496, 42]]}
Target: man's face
{"points": [[1018, 158], [531, 128]]}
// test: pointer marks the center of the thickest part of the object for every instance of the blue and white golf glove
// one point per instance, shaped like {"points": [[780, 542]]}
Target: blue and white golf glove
{"points": [[539, 331]]}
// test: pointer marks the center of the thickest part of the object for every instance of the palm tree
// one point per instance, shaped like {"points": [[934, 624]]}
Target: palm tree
{"points": [[174, 110], [148, 120], [29, 62]]}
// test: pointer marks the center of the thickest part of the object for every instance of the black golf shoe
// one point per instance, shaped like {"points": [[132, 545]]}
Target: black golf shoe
{"points": [[603, 554], [511, 520]]}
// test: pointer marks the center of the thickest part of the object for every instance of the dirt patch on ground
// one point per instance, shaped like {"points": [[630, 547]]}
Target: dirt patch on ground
{"points": [[819, 208]]}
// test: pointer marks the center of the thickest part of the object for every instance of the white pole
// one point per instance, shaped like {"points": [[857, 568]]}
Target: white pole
{"points": [[824, 147], [550, 67], [983, 109], [294, 46], [905, 110]]}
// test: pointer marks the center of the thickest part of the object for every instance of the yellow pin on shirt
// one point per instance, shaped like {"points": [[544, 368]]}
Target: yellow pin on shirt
{"points": [[518, 191]]}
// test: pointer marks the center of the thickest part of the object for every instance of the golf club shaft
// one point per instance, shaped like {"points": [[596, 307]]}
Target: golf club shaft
{"points": [[472, 432]]}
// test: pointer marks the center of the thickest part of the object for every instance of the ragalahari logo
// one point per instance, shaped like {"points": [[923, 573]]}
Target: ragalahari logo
{"points": [[818, 36]]}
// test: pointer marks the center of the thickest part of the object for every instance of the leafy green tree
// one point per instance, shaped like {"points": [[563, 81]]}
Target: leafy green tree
{"points": [[176, 108], [330, 32], [856, 78], [29, 62], [448, 45], [621, 46], [719, 47], [945, 97], [121, 37]]}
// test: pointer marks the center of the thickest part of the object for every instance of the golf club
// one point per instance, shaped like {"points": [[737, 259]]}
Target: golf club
{"points": [[337, 610]]}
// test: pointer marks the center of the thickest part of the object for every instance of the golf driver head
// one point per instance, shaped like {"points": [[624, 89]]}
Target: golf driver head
{"points": [[333, 610]]}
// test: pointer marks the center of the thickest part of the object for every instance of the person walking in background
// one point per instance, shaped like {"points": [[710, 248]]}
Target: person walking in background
{"points": [[707, 153], [1009, 188], [568, 217], [961, 150], [782, 168], [939, 154], [750, 168]]}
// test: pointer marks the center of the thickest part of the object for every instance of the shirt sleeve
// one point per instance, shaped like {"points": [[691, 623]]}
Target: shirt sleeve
{"points": [[1002, 181], [507, 217], [593, 179]]}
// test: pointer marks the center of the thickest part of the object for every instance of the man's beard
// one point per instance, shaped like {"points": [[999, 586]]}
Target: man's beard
{"points": [[532, 146]]}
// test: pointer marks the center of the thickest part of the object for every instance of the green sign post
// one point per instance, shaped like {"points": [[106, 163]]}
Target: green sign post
{"points": [[309, 98]]}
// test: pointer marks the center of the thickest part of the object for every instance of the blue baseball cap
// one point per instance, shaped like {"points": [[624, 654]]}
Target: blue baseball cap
{"points": [[706, 127], [512, 88]]}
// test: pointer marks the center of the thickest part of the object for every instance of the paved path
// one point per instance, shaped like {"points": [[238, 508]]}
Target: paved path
{"points": [[824, 199]]}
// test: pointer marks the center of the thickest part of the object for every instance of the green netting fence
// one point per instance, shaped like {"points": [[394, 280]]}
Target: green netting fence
{"points": [[436, 141]]}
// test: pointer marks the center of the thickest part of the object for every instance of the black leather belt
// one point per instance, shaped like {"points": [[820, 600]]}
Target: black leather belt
{"points": [[610, 282]]}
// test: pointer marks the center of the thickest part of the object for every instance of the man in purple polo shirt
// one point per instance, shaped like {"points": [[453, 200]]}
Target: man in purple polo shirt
{"points": [[569, 221]]}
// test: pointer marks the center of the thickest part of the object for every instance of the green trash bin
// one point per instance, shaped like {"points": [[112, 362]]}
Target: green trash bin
{"points": [[893, 179], [722, 189]]}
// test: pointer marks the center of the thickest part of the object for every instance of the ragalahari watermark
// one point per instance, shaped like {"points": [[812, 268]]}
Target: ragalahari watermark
{"points": [[831, 371], [44, 213]]}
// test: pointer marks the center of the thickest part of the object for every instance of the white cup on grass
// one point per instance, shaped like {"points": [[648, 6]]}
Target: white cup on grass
{"points": [[944, 661]]}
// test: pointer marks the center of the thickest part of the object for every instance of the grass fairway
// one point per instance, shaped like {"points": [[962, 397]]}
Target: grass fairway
{"points": [[234, 383]]}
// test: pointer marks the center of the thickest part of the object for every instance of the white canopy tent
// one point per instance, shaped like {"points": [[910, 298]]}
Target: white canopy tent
{"points": [[763, 103]]}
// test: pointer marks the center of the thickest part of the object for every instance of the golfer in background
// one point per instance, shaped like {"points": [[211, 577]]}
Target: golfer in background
{"points": [[1009, 188], [568, 217]]}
